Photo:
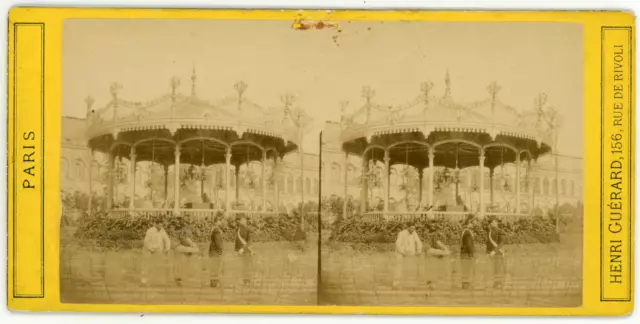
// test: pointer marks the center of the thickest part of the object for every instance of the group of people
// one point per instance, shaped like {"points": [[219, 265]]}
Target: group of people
{"points": [[157, 245], [409, 246]]}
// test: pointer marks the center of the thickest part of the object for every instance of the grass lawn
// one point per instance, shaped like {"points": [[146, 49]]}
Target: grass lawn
{"points": [[542, 275], [282, 274]]}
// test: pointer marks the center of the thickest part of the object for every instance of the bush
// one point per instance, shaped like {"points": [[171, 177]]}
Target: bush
{"points": [[525, 230], [124, 232]]}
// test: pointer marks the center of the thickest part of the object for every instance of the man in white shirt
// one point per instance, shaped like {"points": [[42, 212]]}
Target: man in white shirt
{"points": [[156, 245], [408, 245]]}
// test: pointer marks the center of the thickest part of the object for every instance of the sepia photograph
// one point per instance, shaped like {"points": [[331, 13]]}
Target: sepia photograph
{"points": [[452, 166], [358, 163], [189, 164]]}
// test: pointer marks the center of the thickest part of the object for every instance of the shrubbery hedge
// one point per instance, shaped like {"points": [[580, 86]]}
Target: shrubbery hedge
{"points": [[525, 230], [129, 231]]}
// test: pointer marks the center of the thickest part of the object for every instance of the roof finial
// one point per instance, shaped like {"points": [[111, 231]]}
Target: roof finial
{"points": [[368, 93], [115, 89], [447, 83], [193, 81], [288, 100], [426, 88], [175, 83]]}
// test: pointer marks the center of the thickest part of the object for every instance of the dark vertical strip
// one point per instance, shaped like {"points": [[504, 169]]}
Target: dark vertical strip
{"points": [[319, 280]]}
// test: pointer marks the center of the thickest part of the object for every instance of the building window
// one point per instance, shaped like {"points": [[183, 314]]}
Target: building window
{"points": [[307, 185], [298, 185], [315, 186], [572, 189], [290, 184], [335, 172], [563, 187], [80, 169], [545, 186], [536, 185], [554, 188]]}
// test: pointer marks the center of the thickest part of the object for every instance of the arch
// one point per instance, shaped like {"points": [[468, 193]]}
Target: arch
{"points": [[495, 144], [455, 140], [203, 138], [154, 138], [425, 144], [118, 143], [370, 147], [247, 142], [271, 149], [526, 153]]}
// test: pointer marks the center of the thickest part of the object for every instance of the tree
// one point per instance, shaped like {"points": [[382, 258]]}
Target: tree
{"points": [[410, 180], [156, 180], [373, 178]]}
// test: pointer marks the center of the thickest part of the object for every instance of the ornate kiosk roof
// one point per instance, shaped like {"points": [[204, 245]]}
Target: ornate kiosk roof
{"points": [[155, 127], [455, 130]]}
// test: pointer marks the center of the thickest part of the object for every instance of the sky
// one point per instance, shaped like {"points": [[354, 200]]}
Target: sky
{"points": [[322, 68]]}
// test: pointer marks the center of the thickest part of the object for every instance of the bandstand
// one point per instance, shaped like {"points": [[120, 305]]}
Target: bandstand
{"points": [[436, 133], [185, 135]]}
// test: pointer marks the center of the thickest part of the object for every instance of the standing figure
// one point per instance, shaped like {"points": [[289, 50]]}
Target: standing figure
{"points": [[185, 249], [243, 248], [156, 246], [408, 244], [467, 252], [215, 252], [494, 249]]}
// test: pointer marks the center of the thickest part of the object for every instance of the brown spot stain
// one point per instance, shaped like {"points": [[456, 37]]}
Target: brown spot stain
{"points": [[307, 25]]}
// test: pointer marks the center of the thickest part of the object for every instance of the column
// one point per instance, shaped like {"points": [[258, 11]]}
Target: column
{"points": [[386, 180], [431, 164], [531, 183], [110, 184], [276, 184], [421, 180], [481, 190], [176, 180], [132, 177], [166, 183], [346, 188], [237, 175], [468, 188], [202, 169], [227, 180], [89, 203], [491, 171], [364, 190], [518, 183], [264, 181], [213, 200]]}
